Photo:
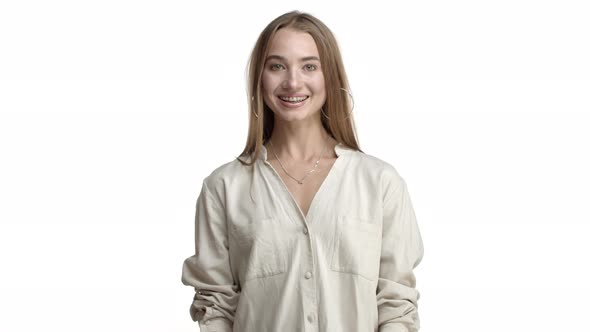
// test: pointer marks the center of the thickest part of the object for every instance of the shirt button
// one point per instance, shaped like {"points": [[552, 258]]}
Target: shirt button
{"points": [[305, 231], [207, 322], [307, 275], [310, 318]]}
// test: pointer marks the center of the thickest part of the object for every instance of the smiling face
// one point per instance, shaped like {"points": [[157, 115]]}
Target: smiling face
{"points": [[292, 80]]}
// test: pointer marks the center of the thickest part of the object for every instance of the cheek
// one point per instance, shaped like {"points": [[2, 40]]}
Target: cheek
{"points": [[318, 85], [268, 83]]}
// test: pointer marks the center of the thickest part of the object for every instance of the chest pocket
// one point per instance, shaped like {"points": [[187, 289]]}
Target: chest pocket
{"points": [[357, 246], [259, 247]]}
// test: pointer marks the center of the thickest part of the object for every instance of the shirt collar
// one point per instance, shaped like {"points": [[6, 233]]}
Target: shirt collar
{"points": [[339, 148]]}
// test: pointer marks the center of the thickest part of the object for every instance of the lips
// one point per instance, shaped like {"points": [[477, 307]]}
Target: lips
{"points": [[293, 102], [293, 99]]}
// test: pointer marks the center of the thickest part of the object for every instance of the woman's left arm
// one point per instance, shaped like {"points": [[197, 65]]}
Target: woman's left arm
{"points": [[401, 251]]}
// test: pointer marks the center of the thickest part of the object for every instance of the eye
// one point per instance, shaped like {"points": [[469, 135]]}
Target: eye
{"points": [[275, 66], [310, 67]]}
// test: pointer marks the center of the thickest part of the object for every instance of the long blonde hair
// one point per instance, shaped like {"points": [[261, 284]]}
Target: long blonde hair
{"points": [[337, 106]]}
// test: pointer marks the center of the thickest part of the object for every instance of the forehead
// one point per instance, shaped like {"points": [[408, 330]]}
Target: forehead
{"points": [[292, 43]]}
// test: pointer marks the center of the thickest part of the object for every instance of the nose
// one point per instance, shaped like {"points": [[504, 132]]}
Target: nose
{"points": [[292, 79]]}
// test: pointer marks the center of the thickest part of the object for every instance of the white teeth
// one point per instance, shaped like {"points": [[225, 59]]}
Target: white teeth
{"points": [[293, 99]]}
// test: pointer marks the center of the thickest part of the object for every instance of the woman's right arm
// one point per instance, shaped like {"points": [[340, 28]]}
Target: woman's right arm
{"points": [[208, 270]]}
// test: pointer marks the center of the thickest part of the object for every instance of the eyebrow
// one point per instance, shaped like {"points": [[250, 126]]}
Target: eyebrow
{"points": [[307, 58]]}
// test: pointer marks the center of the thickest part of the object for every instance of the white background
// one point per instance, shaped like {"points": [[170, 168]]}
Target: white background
{"points": [[112, 113]]}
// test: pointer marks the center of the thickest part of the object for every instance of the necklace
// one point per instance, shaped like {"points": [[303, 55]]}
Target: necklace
{"points": [[309, 172]]}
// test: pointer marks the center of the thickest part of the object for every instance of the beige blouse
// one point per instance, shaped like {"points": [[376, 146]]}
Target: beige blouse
{"points": [[260, 265]]}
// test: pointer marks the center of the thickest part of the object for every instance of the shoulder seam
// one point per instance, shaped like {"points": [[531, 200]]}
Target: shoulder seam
{"points": [[210, 194], [395, 191]]}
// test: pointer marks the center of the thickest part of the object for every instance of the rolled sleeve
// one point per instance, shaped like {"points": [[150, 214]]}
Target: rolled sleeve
{"points": [[402, 250], [216, 324], [208, 270]]}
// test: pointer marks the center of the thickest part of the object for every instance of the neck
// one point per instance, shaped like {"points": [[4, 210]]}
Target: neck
{"points": [[302, 143]]}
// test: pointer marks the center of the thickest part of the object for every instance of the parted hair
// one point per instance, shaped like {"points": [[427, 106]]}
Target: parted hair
{"points": [[340, 124]]}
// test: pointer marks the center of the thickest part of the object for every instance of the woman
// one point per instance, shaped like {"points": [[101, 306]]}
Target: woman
{"points": [[315, 235]]}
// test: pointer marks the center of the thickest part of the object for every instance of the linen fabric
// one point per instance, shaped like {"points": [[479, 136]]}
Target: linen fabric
{"points": [[260, 265]]}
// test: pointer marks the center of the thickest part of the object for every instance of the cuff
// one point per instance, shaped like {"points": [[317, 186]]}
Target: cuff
{"points": [[396, 327], [218, 324]]}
